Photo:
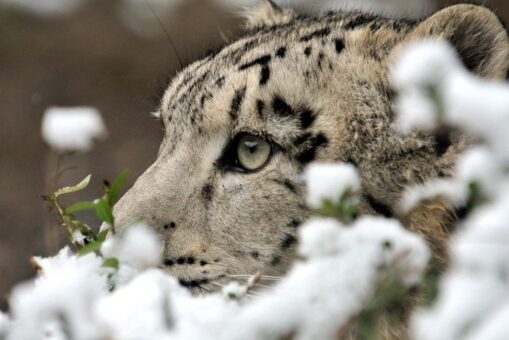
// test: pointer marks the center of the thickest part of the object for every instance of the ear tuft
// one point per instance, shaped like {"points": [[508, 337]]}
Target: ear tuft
{"points": [[477, 34], [267, 14]]}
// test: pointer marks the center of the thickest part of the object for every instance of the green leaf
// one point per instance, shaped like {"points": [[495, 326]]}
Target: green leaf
{"points": [[111, 263], [102, 235], [103, 211], [80, 206], [78, 187], [116, 186], [91, 247]]}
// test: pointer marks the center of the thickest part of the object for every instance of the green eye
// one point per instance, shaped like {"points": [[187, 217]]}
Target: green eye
{"points": [[253, 152]]}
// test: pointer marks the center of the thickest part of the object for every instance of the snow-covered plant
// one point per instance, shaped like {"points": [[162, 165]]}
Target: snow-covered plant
{"points": [[72, 129], [437, 93]]}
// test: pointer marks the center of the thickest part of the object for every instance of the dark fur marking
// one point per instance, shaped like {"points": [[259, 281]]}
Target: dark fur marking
{"points": [[203, 263], [181, 260], [287, 184], [294, 223], [190, 260], [207, 192], [339, 45], [169, 263], [307, 51], [275, 260], [220, 82], [320, 59], [263, 60], [316, 34], [193, 283], [281, 52], [265, 75], [254, 254], [237, 100], [302, 139], [359, 21], [379, 207], [309, 154], [307, 118], [288, 241], [442, 142], [260, 106], [171, 225], [280, 107]]}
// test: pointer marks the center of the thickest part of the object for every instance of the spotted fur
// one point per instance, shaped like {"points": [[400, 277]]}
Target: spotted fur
{"points": [[317, 88]]}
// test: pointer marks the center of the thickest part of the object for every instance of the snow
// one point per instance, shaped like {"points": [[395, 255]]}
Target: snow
{"points": [[139, 310], [62, 296], [4, 324], [317, 237], [328, 182], [72, 129], [78, 237], [473, 294], [234, 290], [139, 246]]}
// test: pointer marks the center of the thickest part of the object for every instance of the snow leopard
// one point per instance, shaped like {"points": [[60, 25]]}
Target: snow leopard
{"points": [[240, 125]]}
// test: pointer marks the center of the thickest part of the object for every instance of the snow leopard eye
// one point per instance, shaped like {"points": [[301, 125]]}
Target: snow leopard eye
{"points": [[252, 152], [247, 153]]}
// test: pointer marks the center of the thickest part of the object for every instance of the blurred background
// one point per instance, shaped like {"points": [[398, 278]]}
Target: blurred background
{"points": [[113, 55]]}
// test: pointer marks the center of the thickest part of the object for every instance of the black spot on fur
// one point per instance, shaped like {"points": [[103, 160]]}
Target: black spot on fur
{"points": [[288, 241], [263, 60], [359, 21], [169, 263], [379, 207], [207, 192], [193, 283], [316, 34], [275, 260], [320, 60], [280, 107], [220, 82], [254, 254], [287, 184], [265, 75], [281, 52], [442, 142], [190, 260], [260, 106], [302, 139], [307, 118], [294, 223], [181, 260], [307, 51], [203, 263], [238, 98], [171, 225], [339, 45], [309, 154]]}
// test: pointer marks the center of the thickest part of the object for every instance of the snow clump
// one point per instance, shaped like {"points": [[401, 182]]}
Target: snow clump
{"points": [[72, 129], [328, 182]]}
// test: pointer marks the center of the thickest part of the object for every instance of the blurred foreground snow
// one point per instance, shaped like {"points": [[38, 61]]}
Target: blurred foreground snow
{"points": [[72, 129]]}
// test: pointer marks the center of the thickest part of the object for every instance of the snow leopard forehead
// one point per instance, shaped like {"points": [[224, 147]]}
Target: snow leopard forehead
{"points": [[266, 75]]}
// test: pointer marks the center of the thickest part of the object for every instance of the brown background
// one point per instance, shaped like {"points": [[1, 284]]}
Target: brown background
{"points": [[87, 58]]}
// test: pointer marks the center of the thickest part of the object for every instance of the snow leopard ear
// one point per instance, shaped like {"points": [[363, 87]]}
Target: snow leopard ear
{"points": [[477, 34], [267, 14]]}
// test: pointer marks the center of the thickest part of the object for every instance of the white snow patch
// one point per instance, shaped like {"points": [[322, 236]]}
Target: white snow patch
{"points": [[328, 182], [72, 129], [138, 246], [62, 296]]}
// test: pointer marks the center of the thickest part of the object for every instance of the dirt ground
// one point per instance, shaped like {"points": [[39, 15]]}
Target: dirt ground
{"points": [[88, 58]]}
